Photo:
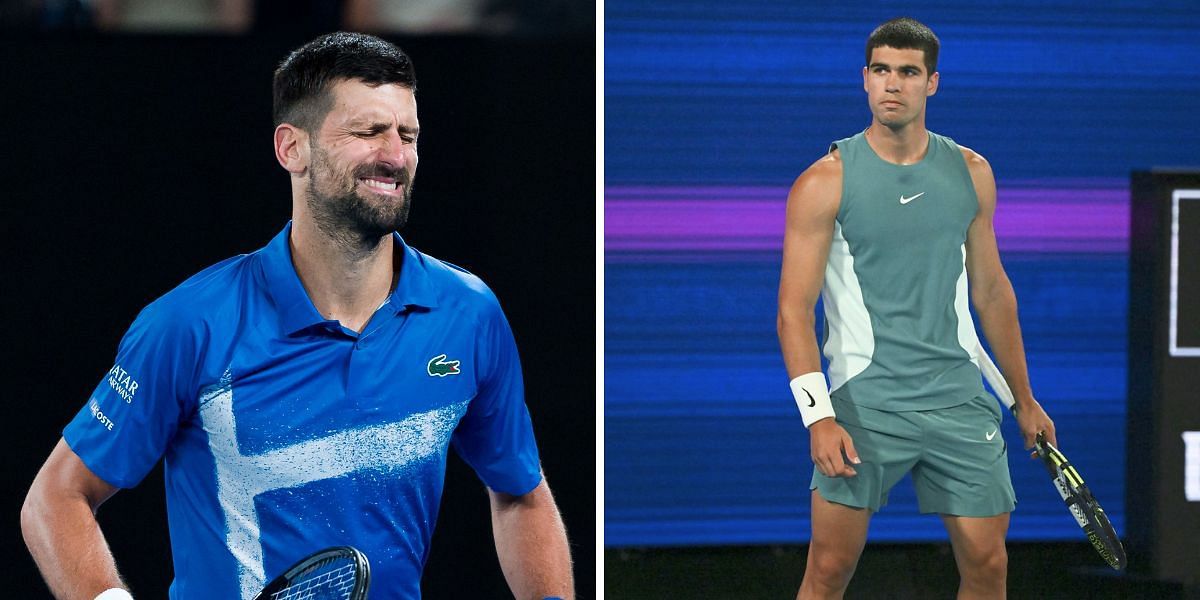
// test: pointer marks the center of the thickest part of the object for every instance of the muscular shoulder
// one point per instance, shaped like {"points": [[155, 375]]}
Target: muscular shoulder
{"points": [[205, 295], [216, 281], [820, 185], [982, 178], [826, 170], [459, 288], [976, 163]]}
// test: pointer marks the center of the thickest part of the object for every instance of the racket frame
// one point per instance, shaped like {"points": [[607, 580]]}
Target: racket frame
{"points": [[361, 567], [1083, 505], [1075, 493]]}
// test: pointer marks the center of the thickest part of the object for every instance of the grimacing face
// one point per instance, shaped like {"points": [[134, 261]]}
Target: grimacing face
{"points": [[897, 85], [364, 160]]}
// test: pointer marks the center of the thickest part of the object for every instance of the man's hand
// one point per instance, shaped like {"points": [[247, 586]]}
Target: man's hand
{"points": [[1032, 419], [829, 442]]}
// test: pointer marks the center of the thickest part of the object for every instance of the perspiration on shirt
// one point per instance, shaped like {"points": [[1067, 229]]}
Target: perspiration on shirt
{"points": [[283, 433]]}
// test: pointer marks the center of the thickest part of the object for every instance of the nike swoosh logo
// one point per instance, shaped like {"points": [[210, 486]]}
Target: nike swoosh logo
{"points": [[991, 435], [904, 200], [811, 401]]}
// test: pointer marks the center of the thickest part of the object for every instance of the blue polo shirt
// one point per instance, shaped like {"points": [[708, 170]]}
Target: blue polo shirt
{"points": [[283, 432]]}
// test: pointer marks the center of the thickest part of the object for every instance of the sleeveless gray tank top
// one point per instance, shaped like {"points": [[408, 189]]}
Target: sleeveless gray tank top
{"points": [[898, 330]]}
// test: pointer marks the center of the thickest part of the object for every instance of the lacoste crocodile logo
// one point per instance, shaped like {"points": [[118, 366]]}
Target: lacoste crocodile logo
{"points": [[440, 367]]}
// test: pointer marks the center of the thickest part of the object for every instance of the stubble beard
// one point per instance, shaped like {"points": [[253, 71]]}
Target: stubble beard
{"points": [[897, 121], [346, 216]]}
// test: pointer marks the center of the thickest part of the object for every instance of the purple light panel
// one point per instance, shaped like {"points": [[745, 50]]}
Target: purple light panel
{"points": [[659, 220]]}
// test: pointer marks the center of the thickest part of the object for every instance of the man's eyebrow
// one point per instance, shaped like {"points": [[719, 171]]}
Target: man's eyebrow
{"points": [[375, 124], [873, 65]]}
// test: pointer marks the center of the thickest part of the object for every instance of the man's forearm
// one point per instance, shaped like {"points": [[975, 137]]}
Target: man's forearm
{"points": [[798, 341], [531, 542], [66, 543], [1001, 327]]}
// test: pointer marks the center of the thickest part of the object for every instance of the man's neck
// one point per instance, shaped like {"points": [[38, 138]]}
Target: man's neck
{"points": [[904, 146], [347, 279]]}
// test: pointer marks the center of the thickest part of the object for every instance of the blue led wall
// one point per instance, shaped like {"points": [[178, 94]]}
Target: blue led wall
{"points": [[713, 108]]}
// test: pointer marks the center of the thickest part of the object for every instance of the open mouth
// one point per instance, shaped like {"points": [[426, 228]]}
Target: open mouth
{"points": [[382, 184]]}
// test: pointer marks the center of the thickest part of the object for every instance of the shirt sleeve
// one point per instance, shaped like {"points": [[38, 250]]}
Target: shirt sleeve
{"points": [[496, 437], [133, 414]]}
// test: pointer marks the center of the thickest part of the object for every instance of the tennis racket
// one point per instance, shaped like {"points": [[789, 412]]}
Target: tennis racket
{"points": [[340, 573], [1083, 506], [1066, 478]]}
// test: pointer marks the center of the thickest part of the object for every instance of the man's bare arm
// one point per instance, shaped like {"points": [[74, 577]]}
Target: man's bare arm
{"points": [[58, 522], [531, 542], [996, 304], [812, 208]]}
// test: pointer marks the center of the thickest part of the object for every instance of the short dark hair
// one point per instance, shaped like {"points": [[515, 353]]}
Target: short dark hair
{"points": [[905, 33], [301, 87]]}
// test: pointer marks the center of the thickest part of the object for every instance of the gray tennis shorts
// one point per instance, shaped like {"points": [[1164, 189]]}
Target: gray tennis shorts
{"points": [[957, 457]]}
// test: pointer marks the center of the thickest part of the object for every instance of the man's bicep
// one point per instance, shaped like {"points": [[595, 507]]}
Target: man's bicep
{"points": [[65, 473], [811, 214], [984, 269]]}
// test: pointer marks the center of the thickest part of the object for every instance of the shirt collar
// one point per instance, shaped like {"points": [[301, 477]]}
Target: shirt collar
{"points": [[296, 310], [415, 287]]}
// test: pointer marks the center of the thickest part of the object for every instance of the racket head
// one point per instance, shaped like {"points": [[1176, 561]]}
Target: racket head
{"points": [[1083, 506], [337, 573]]}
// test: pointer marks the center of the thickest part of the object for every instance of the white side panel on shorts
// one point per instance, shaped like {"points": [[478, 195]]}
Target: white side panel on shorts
{"points": [[851, 340], [962, 307]]}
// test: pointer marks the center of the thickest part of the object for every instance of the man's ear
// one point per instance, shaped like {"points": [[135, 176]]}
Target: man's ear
{"points": [[291, 148], [931, 88]]}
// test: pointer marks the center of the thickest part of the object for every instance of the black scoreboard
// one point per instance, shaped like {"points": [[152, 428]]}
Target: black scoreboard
{"points": [[1163, 463]]}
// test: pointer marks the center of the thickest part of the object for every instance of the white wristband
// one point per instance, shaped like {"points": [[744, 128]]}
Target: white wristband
{"points": [[812, 396], [114, 594]]}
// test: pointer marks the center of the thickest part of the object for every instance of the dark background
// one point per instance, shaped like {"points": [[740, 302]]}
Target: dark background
{"points": [[1162, 386], [130, 163]]}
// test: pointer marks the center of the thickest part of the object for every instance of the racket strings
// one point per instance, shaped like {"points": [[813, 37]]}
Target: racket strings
{"points": [[1083, 506], [332, 585]]}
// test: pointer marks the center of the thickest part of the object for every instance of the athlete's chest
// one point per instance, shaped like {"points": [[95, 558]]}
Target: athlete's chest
{"points": [[280, 390], [904, 211]]}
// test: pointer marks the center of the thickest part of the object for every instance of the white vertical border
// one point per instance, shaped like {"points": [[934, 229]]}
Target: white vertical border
{"points": [[1191, 465], [1172, 329], [599, 556]]}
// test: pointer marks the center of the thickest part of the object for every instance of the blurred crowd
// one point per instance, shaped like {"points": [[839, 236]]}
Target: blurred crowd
{"points": [[245, 16]]}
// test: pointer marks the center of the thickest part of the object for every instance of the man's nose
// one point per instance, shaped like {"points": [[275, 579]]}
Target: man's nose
{"points": [[396, 151], [892, 83]]}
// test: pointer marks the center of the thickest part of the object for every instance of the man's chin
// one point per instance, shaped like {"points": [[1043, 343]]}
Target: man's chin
{"points": [[382, 224], [893, 122]]}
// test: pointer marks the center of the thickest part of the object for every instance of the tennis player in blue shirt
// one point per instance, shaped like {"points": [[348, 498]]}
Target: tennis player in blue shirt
{"points": [[305, 395]]}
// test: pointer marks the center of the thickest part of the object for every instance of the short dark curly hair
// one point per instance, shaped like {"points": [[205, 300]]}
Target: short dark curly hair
{"points": [[301, 87], [905, 33]]}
